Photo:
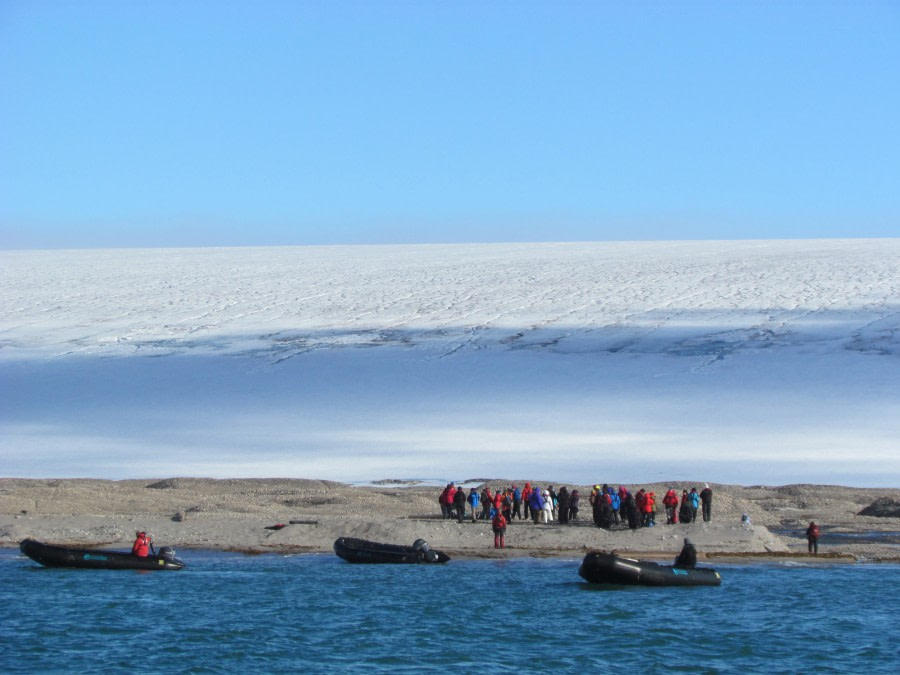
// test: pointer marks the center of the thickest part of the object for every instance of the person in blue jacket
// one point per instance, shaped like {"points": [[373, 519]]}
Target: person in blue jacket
{"points": [[517, 503], [473, 500], [695, 503], [616, 505], [537, 504]]}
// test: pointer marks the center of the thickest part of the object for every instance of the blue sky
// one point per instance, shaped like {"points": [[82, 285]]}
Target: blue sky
{"points": [[238, 123]]}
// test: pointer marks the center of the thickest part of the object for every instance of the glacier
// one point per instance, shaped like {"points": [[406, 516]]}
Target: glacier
{"points": [[729, 361]]}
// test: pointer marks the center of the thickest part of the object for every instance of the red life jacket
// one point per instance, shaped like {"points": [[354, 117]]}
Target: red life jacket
{"points": [[141, 547]]}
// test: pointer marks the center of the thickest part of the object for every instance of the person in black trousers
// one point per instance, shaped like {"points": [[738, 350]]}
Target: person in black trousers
{"points": [[706, 502], [459, 502], [812, 538]]}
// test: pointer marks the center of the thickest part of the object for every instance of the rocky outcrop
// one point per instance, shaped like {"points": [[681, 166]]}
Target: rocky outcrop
{"points": [[884, 507]]}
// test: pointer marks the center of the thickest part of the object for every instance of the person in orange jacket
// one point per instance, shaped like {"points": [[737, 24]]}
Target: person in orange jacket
{"points": [[142, 545]]}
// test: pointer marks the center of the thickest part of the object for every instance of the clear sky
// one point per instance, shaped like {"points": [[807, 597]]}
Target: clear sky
{"points": [[172, 123]]}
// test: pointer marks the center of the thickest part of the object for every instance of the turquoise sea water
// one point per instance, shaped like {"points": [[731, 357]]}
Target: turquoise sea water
{"points": [[272, 613]]}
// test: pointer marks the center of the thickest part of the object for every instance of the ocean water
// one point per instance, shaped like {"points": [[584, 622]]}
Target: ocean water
{"points": [[277, 614]]}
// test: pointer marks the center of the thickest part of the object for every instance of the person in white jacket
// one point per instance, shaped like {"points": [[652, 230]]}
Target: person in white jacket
{"points": [[547, 514]]}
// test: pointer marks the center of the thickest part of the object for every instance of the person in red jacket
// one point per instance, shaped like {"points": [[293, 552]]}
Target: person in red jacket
{"points": [[670, 501], [526, 500], [498, 524], [640, 499], [142, 545], [487, 500], [812, 538], [445, 500]]}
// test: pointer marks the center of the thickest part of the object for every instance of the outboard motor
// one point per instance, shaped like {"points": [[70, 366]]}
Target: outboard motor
{"points": [[423, 551], [167, 553]]}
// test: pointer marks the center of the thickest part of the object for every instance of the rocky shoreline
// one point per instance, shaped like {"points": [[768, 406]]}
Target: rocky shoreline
{"points": [[239, 515]]}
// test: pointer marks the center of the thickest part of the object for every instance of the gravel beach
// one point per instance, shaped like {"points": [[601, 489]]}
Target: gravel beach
{"points": [[238, 514]]}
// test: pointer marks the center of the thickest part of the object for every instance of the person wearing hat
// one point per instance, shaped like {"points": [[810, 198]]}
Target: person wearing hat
{"points": [[547, 508], [688, 556], [142, 545]]}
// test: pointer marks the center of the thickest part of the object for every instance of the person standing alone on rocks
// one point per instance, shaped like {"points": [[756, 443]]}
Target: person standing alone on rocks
{"points": [[498, 524], [812, 538], [706, 502]]}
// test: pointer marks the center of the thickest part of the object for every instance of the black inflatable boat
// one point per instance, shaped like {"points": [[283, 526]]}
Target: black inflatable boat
{"points": [[64, 556], [606, 568], [362, 551]]}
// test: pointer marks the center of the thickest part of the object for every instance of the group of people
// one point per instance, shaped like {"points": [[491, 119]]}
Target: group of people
{"points": [[541, 505], [691, 502], [612, 506], [501, 507], [609, 506]]}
